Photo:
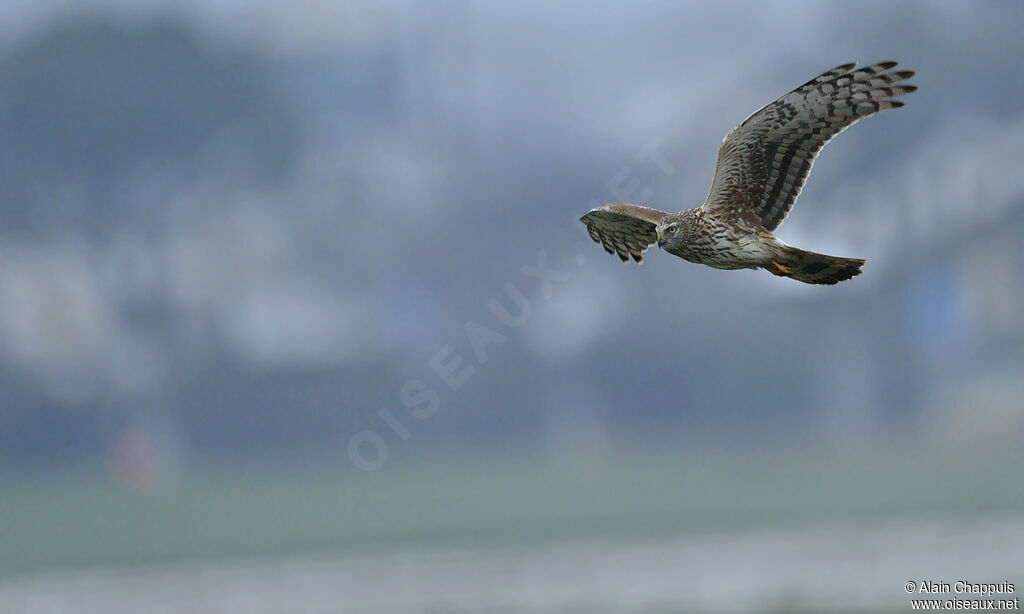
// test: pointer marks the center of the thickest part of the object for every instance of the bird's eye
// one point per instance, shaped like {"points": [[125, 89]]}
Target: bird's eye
{"points": [[671, 230]]}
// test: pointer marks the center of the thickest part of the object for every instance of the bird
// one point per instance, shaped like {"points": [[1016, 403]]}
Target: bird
{"points": [[763, 164]]}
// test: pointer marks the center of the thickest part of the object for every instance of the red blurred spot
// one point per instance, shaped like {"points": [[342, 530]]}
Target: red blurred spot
{"points": [[133, 460]]}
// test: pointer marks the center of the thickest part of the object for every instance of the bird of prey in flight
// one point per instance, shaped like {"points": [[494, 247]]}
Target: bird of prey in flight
{"points": [[762, 165]]}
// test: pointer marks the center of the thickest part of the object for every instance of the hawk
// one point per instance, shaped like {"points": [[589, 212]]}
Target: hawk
{"points": [[762, 165]]}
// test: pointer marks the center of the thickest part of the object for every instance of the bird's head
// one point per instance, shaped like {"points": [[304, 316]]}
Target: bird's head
{"points": [[670, 231]]}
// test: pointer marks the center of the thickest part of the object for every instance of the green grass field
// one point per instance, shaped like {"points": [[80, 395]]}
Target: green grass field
{"points": [[83, 518]]}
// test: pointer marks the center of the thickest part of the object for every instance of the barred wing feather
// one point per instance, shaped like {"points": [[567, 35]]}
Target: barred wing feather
{"points": [[764, 162], [626, 230]]}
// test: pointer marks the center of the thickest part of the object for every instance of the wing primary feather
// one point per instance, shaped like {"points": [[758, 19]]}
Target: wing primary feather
{"points": [[764, 162], [622, 229]]}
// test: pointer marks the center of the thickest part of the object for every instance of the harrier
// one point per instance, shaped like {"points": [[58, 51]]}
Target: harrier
{"points": [[762, 165]]}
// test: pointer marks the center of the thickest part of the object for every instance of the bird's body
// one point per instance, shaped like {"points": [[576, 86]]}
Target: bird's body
{"points": [[762, 166], [731, 243]]}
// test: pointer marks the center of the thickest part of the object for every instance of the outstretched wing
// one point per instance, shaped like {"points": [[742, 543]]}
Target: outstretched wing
{"points": [[764, 162], [626, 230]]}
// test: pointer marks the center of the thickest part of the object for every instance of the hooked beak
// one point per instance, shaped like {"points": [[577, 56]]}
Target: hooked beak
{"points": [[661, 242]]}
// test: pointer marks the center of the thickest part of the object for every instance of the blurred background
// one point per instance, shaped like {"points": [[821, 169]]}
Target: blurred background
{"points": [[296, 314]]}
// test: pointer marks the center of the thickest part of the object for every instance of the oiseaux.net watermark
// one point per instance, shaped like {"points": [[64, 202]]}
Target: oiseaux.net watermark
{"points": [[510, 309], [962, 595]]}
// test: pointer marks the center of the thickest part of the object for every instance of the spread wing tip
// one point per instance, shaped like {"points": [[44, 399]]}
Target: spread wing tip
{"points": [[622, 229], [790, 132]]}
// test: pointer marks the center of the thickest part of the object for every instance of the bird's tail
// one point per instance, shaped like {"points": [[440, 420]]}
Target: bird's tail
{"points": [[812, 268]]}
